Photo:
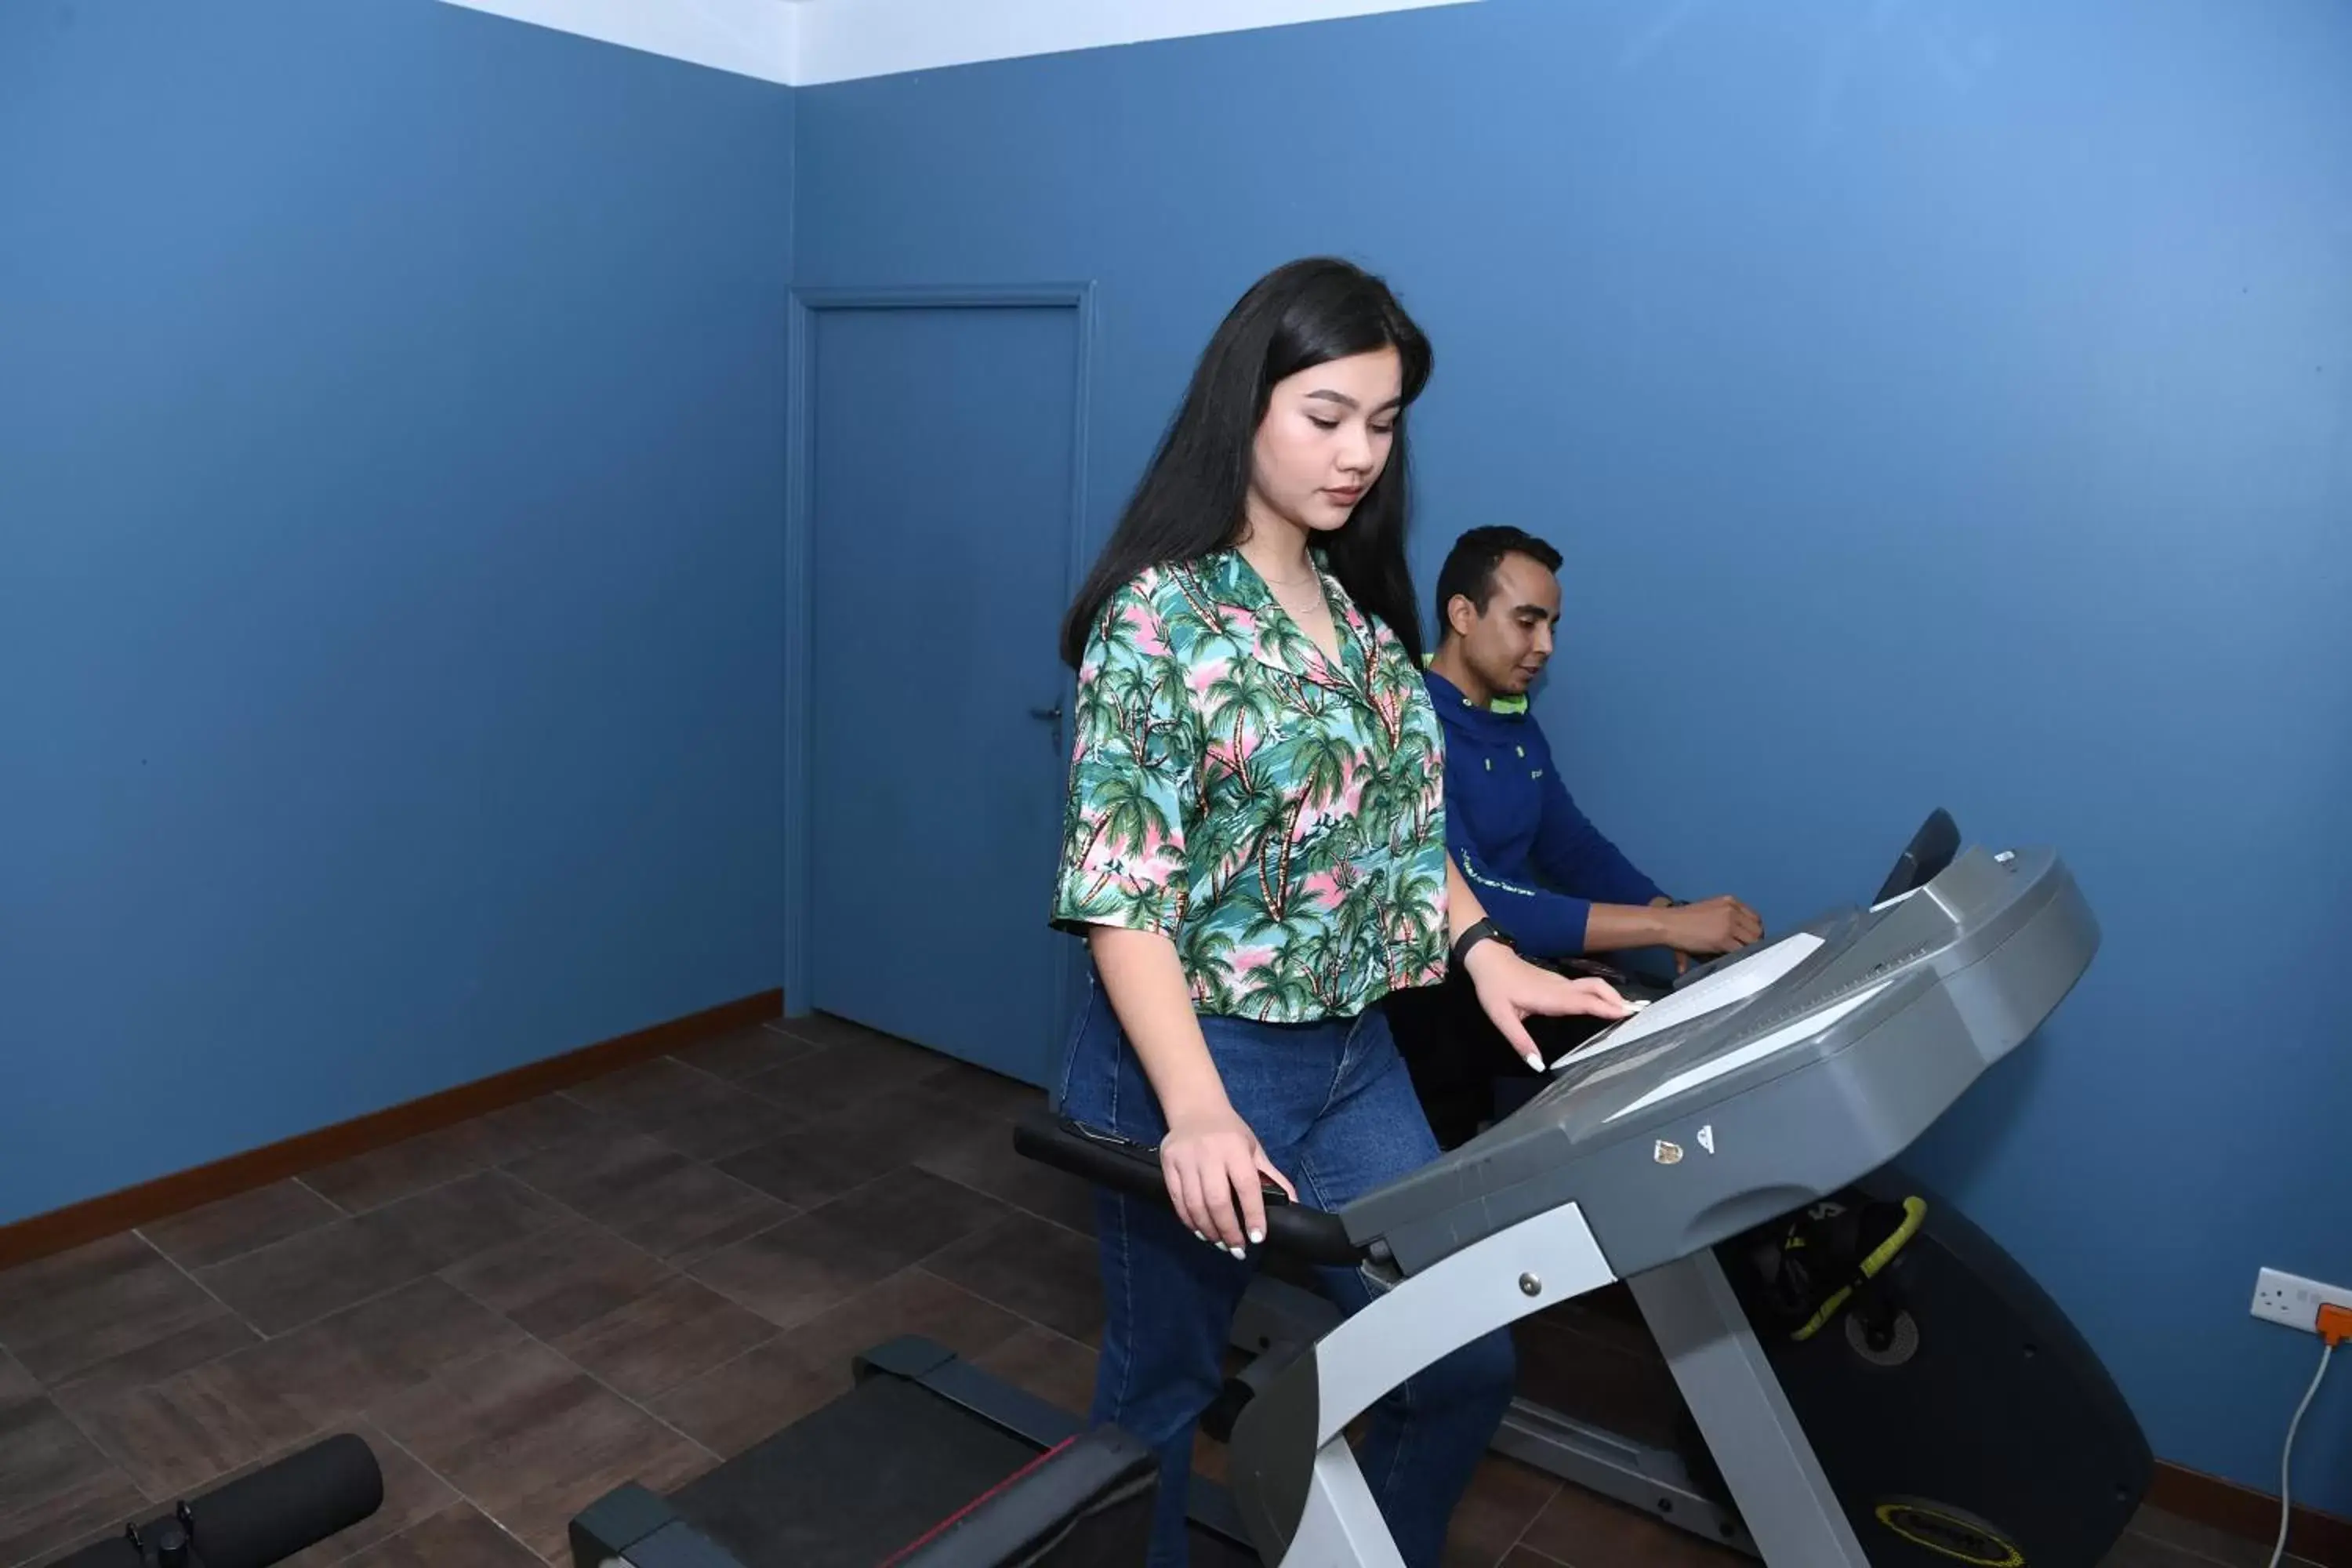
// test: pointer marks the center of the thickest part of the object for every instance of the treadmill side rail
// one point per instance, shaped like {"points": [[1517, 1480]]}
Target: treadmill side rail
{"points": [[631, 1527], [1021, 1413]]}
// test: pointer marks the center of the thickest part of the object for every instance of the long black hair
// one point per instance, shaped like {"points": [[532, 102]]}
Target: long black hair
{"points": [[1193, 499]]}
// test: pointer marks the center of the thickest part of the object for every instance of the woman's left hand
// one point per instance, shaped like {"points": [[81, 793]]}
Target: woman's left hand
{"points": [[1511, 989]]}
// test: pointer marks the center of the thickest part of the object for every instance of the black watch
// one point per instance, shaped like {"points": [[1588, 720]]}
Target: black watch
{"points": [[1484, 930]]}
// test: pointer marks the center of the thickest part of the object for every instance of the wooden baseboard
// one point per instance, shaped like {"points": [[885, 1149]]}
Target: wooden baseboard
{"points": [[60, 1229], [2242, 1510]]}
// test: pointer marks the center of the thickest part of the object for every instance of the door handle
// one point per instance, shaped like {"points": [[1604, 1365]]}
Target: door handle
{"points": [[1050, 716]]}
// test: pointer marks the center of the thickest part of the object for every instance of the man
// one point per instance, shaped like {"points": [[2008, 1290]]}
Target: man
{"points": [[1545, 873], [1556, 887]]}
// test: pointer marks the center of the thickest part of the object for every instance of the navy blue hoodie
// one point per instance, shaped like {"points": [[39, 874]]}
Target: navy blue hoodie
{"points": [[1535, 861]]}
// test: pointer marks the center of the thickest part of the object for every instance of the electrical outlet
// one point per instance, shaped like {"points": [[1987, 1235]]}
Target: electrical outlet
{"points": [[2291, 1299]]}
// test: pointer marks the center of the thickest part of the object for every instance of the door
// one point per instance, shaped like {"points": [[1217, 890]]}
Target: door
{"points": [[941, 494]]}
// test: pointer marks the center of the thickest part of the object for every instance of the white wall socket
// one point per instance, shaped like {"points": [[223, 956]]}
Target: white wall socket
{"points": [[2292, 1299]]}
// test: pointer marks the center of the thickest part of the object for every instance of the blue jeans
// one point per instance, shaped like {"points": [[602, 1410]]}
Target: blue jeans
{"points": [[1334, 1108]]}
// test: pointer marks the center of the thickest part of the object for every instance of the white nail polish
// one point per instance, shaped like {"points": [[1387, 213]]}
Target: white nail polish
{"points": [[1257, 1239], [1234, 1250], [1198, 1236]]}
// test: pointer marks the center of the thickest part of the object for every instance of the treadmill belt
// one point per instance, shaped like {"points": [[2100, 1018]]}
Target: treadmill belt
{"points": [[849, 1484]]}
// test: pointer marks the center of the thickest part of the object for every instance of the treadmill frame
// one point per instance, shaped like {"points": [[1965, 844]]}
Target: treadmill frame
{"points": [[1324, 1514], [1278, 1318]]}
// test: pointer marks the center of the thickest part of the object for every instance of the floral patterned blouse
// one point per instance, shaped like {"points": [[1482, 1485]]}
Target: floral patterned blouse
{"points": [[1278, 815]]}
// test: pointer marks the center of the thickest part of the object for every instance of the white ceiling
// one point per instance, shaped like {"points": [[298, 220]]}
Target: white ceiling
{"points": [[804, 42]]}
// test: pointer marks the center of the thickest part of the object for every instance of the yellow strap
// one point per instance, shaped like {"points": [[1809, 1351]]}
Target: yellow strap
{"points": [[1914, 1213]]}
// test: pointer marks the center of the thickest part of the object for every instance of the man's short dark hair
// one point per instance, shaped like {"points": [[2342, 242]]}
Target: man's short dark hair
{"points": [[1469, 568]]}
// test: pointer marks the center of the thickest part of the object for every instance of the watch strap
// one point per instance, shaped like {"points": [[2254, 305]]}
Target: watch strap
{"points": [[1484, 930]]}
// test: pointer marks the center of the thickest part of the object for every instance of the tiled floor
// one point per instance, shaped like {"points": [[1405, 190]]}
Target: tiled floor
{"points": [[629, 1280]]}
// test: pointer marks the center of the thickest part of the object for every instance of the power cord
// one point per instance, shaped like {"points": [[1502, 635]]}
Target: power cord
{"points": [[2335, 1326]]}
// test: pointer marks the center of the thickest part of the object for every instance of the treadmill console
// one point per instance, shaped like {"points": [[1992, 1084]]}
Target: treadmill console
{"points": [[1770, 1082]]}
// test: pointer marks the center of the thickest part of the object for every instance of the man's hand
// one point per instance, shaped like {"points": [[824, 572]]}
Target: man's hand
{"points": [[1510, 990], [1712, 926]]}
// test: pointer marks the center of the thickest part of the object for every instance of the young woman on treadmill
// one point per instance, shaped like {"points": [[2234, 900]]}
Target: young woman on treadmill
{"points": [[1254, 850]]}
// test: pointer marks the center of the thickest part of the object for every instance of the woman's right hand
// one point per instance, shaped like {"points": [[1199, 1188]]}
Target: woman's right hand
{"points": [[1208, 1158]]}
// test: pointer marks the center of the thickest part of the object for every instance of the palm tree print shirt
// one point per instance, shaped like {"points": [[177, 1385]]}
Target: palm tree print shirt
{"points": [[1278, 815]]}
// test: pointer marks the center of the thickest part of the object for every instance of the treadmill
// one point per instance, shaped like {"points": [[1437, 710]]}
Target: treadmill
{"points": [[1772, 1083], [1956, 1411]]}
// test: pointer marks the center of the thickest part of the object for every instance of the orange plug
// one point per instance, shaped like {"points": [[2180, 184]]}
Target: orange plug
{"points": [[2335, 1324]]}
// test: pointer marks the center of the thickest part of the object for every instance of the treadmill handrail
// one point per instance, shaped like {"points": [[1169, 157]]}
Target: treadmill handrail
{"points": [[1105, 1158]]}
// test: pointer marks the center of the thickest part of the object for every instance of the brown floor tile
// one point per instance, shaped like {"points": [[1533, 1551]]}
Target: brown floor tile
{"points": [[542, 1123], [553, 1281], [93, 1506], [2161, 1549], [459, 1536], [65, 1314], [1589, 1530], [991, 1093], [806, 1168], [1034, 1268], [318, 1272], [745, 1053], [1597, 1382], [325, 1270], [803, 1266], [2154, 1526], [466, 1217], [662, 1339], [2136, 1551], [234, 1227], [16, 1383], [853, 1064], [1056, 1368], [729, 1409], [223, 1333], [991, 1165], [824, 1029], [1504, 1499], [1522, 1557], [174, 1439], [68, 1535], [54, 1484], [657, 1093], [357, 1358], [185, 1434], [1608, 1315], [655, 1197], [901, 1126], [532, 1440], [385, 1175], [727, 1126], [411, 1494]]}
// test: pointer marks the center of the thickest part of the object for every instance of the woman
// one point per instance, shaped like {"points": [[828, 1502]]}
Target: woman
{"points": [[1254, 850]]}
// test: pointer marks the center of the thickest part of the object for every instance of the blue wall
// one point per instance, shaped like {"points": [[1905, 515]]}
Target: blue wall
{"points": [[391, 477], [1940, 406]]}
